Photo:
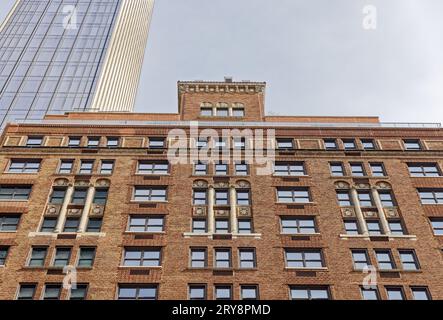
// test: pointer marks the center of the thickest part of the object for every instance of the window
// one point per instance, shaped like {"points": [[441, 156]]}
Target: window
{"points": [[139, 292], [79, 196], [222, 226], [156, 143], [384, 260], [86, 167], [222, 258], [9, 223], [201, 143], [86, 257], [52, 292], [34, 141], [222, 112], [386, 199], [377, 169], [431, 196], [3, 255], [249, 292], [200, 168], [337, 169], [93, 142], [198, 258], [206, 112], [221, 197], [298, 225], [395, 293], [285, 144], [396, 227], [197, 292], [200, 197], [421, 293], [247, 258], [26, 292], [238, 112], [199, 226], [424, 170], [289, 169], [38, 257], [100, 196], [149, 257], [146, 224], [243, 198], [240, 143], [357, 169], [349, 144], [296, 258], [74, 142], [57, 196], [220, 143], [309, 293], [412, 144], [112, 142], [94, 225], [330, 144], [24, 166], [368, 144], [14, 193], [360, 259], [409, 260], [66, 166], [370, 294], [107, 166], [374, 228], [365, 199], [62, 256], [79, 293], [437, 226], [241, 169], [351, 227], [71, 225], [223, 292], [221, 169], [344, 199], [244, 226], [153, 168], [294, 195], [154, 194]]}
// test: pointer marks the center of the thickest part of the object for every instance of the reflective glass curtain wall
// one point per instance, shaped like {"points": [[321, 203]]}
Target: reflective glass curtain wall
{"points": [[46, 67]]}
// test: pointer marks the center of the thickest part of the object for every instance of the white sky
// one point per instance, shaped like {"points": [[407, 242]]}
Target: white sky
{"points": [[314, 54]]}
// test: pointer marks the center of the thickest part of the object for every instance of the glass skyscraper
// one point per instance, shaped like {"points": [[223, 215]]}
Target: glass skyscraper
{"points": [[71, 55]]}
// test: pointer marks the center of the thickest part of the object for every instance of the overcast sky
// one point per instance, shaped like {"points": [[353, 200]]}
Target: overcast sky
{"points": [[314, 54]]}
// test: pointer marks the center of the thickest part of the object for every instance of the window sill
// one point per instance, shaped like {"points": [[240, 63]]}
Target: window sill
{"points": [[368, 237], [234, 235], [306, 269], [3, 232], [143, 233], [140, 267]]}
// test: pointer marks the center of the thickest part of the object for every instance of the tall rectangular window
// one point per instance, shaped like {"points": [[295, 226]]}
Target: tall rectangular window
{"points": [[38, 257], [62, 257], [247, 258], [137, 292], [153, 167], [409, 260], [243, 198], [107, 167], [221, 197], [200, 168], [3, 255], [301, 258], [357, 169], [100, 196], [396, 227], [360, 259], [344, 198], [199, 258], [245, 226], [377, 169], [9, 222], [222, 258], [221, 169], [147, 257], [24, 166], [52, 292], [293, 195], [15, 192], [395, 293], [66, 166], [200, 197], [385, 260], [351, 227], [154, 194], [86, 166], [199, 226], [57, 195], [298, 225], [71, 225], [222, 226], [94, 225], [241, 169], [86, 257], [79, 196], [374, 227], [386, 198], [365, 198], [337, 169]]}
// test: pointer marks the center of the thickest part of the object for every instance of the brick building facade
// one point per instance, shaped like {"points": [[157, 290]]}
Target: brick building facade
{"points": [[95, 191]]}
